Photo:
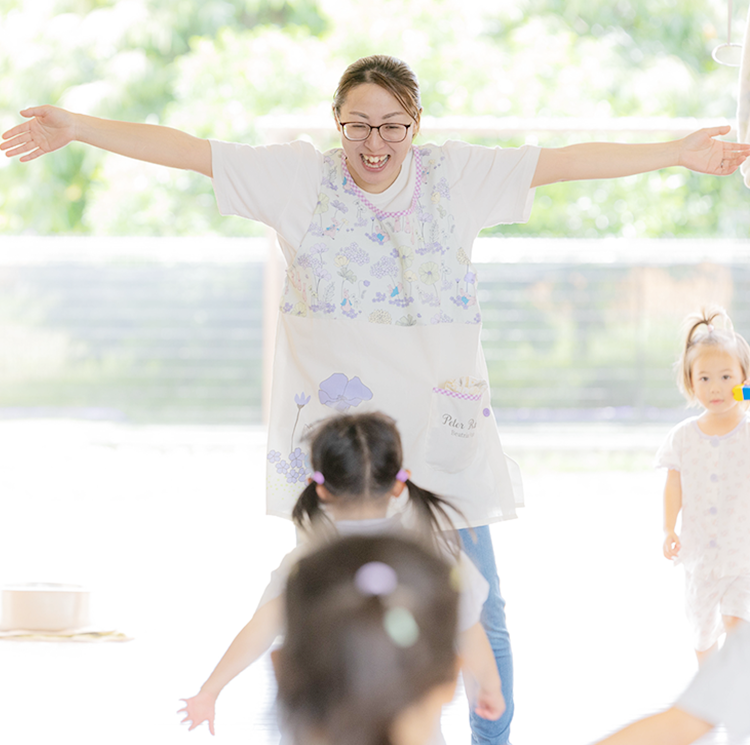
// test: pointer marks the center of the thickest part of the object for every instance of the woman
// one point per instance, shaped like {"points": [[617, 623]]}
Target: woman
{"points": [[378, 237]]}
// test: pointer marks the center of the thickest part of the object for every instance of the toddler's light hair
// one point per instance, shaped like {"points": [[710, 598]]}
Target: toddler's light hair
{"points": [[708, 330]]}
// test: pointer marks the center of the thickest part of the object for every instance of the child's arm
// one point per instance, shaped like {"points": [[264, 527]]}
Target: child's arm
{"points": [[479, 663], [50, 128], [254, 639], [672, 507], [671, 727]]}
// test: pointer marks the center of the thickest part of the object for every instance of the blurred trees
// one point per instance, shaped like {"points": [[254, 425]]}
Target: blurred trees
{"points": [[213, 67]]}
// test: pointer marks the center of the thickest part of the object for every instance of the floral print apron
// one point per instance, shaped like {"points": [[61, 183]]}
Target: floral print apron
{"points": [[379, 311]]}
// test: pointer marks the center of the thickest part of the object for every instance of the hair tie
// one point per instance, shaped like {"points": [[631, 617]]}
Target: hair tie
{"points": [[402, 476], [318, 477], [710, 328], [377, 579]]}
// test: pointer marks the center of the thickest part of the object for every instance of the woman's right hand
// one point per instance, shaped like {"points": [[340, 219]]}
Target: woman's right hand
{"points": [[49, 128], [199, 708], [671, 544]]}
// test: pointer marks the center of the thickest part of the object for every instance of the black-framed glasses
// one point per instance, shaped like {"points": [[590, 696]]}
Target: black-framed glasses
{"points": [[390, 132]]}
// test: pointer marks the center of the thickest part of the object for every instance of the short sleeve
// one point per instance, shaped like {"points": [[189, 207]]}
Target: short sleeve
{"points": [[495, 182], [669, 454], [720, 692], [277, 584], [260, 183], [474, 592]]}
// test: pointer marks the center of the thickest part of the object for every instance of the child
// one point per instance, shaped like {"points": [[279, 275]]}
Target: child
{"points": [[718, 694], [369, 656], [708, 480], [357, 462]]}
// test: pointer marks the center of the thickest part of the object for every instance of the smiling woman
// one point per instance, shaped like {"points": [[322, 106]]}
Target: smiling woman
{"points": [[380, 307]]}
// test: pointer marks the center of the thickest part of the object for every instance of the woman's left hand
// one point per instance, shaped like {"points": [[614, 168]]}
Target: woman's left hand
{"points": [[701, 152]]}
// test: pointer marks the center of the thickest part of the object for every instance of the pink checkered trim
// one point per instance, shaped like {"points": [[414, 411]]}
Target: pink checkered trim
{"points": [[455, 394]]}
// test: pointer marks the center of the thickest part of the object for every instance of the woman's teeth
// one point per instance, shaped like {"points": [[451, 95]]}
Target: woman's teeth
{"points": [[375, 161]]}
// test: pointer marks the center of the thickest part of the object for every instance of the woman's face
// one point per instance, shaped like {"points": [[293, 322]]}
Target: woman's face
{"points": [[374, 163]]}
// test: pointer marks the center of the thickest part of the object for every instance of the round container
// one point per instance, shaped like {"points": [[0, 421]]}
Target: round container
{"points": [[41, 606]]}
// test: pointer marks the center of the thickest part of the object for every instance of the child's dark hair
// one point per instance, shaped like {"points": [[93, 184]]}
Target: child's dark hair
{"points": [[345, 672], [359, 457], [709, 330]]}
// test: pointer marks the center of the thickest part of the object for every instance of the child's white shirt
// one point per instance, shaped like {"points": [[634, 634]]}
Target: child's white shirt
{"points": [[474, 587], [715, 479]]}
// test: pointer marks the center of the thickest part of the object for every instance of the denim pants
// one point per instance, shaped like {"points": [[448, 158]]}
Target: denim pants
{"points": [[479, 550]]}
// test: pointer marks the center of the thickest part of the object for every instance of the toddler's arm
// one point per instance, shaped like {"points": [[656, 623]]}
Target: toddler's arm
{"points": [[481, 669], [672, 507], [254, 639], [50, 128]]}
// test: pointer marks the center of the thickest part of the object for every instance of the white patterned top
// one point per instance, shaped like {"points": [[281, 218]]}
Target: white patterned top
{"points": [[380, 306], [715, 479]]}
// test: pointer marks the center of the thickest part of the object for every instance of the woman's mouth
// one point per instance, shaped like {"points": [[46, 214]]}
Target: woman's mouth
{"points": [[374, 162]]}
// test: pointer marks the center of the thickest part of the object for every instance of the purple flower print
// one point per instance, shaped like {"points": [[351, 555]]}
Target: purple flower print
{"points": [[301, 400], [273, 456], [339, 205], [441, 318], [356, 255], [386, 266], [341, 394], [296, 458]]}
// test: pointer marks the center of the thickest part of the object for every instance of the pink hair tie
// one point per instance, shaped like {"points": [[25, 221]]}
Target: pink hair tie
{"points": [[402, 476], [318, 477], [710, 328]]}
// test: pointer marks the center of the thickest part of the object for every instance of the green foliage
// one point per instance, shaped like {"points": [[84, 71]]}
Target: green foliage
{"points": [[213, 67]]}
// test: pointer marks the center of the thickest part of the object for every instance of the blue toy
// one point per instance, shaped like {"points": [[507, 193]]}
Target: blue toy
{"points": [[741, 392]]}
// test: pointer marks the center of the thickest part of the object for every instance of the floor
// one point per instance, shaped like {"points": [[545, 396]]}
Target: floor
{"points": [[165, 526]]}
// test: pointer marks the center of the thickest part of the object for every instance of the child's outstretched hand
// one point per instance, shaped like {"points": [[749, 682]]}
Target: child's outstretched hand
{"points": [[199, 708], [671, 545], [489, 704]]}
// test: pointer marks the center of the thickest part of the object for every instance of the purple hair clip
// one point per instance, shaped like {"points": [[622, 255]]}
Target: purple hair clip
{"points": [[376, 578], [318, 477], [402, 476]]}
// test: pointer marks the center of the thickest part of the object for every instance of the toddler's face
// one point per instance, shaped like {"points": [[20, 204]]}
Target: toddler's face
{"points": [[713, 376]]}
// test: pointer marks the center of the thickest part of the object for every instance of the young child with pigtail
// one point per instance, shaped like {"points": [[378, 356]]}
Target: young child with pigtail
{"points": [[708, 479], [358, 471]]}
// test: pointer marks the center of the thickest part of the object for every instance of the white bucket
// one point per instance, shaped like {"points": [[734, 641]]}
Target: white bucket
{"points": [[44, 607]]}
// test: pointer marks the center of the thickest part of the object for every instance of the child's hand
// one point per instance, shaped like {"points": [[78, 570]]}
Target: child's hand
{"points": [[671, 545], [199, 708], [489, 704]]}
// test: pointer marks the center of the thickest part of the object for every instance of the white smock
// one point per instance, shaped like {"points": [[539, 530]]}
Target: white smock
{"points": [[380, 308]]}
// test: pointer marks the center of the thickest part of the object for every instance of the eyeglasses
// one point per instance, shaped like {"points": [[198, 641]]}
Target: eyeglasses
{"points": [[359, 131]]}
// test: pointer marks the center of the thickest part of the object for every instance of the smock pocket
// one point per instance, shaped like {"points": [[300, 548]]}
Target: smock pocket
{"points": [[453, 430]]}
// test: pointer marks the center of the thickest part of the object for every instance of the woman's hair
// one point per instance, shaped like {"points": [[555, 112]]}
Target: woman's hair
{"points": [[387, 72], [708, 330], [359, 457], [371, 625]]}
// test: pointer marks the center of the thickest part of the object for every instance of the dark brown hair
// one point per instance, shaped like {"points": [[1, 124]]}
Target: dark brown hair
{"points": [[340, 675], [390, 73], [359, 456], [709, 330]]}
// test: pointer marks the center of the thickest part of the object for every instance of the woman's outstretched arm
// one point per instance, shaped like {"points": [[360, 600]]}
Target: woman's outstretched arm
{"points": [[50, 128], [699, 151]]}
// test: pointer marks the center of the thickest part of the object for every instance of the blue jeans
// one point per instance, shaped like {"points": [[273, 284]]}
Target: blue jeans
{"points": [[479, 550]]}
